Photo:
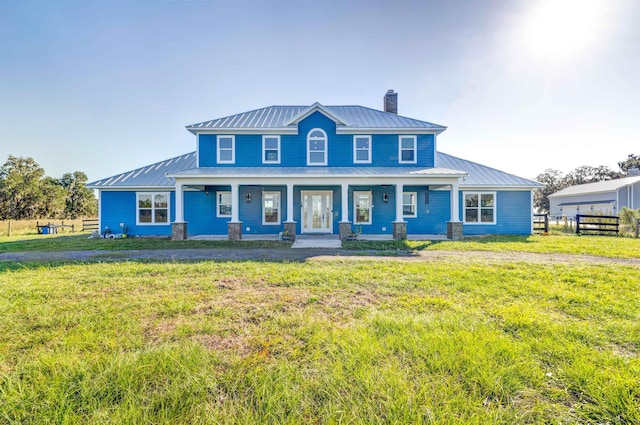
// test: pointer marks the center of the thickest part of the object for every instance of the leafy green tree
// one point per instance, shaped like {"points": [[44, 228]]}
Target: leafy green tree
{"points": [[79, 201], [554, 181], [631, 162], [588, 174], [51, 203], [21, 194]]}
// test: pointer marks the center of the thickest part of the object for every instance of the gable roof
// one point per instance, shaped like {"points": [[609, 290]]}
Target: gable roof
{"points": [[286, 117], [155, 175], [481, 175], [597, 187]]}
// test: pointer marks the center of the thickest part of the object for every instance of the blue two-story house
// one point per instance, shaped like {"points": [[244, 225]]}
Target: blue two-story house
{"points": [[316, 170]]}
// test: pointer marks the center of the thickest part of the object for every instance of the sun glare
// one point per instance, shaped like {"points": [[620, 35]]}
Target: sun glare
{"points": [[557, 30]]}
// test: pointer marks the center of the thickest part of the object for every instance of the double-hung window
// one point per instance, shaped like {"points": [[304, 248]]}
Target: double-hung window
{"points": [[362, 207], [408, 152], [271, 149], [409, 204], [362, 149], [271, 208], [480, 207], [153, 208], [317, 147], [226, 149], [223, 207]]}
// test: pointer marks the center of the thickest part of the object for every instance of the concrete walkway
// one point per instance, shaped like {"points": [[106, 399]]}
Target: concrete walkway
{"points": [[320, 241]]}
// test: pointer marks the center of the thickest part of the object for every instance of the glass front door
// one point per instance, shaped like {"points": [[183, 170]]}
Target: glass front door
{"points": [[317, 214]]}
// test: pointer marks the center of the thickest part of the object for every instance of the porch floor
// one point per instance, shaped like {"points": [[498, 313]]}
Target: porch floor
{"points": [[320, 239]]}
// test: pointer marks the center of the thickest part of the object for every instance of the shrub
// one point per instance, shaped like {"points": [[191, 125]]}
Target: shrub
{"points": [[628, 221]]}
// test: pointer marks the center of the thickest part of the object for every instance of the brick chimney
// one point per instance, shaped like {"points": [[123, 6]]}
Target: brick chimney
{"points": [[391, 102]]}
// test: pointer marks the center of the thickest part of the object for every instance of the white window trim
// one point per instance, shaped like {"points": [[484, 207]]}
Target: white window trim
{"points": [[326, 148], [218, 204], [153, 208], [415, 149], [264, 150], [355, 150], [233, 149], [415, 205], [264, 221], [481, 223], [355, 205]]}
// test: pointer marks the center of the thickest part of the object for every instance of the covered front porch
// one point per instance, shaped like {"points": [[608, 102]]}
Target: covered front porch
{"points": [[374, 208]]}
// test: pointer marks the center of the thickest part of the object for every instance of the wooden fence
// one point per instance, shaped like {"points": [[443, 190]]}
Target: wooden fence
{"points": [[90, 224], [541, 223], [597, 224]]}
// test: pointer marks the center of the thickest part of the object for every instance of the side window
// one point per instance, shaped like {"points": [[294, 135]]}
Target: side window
{"points": [[153, 208], [271, 149], [362, 149], [362, 207], [409, 204], [480, 207], [407, 146], [226, 149], [271, 208], [317, 147], [223, 208]]}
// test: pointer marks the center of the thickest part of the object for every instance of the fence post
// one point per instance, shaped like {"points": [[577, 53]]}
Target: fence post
{"points": [[546, 223], [577, 224], [9, 231]]}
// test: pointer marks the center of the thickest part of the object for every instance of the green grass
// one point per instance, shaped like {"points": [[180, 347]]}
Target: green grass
{"points": [[602, 246], [49, 243], [340, 341]]}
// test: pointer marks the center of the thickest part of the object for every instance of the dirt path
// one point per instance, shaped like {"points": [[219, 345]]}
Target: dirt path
{"points": [[308, 254]]}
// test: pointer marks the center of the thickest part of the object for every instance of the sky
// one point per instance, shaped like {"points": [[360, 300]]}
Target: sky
{"points": [[109, 86]]}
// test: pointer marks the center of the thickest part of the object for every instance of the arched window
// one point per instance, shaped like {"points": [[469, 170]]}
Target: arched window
{"points": [[317, 147]]}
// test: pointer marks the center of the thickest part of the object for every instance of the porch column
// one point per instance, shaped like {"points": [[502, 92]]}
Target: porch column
{"points": [[455, 206], [454, 226], [345, 225], [290, 202], [179, 203], [234, 227], [179, 227], [399, 225]]}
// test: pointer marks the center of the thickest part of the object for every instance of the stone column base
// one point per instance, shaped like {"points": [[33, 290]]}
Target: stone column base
{"points": [[234, 230], [345, 230], [454, 230], [178, 231], [399, 230], [290, 228]]}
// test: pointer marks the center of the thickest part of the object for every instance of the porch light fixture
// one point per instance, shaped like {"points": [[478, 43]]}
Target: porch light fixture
{"points": [[206, 192], [385, 198], [248, 197]]}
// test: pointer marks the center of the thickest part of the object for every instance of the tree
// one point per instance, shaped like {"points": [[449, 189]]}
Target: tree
{"points": [[631, 162], [554, 181], [588, 174], [20, 190], [79, 201], [52, 201]]}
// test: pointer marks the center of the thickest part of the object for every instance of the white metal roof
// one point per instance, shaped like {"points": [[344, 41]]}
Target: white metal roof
{"points": [[598, 187]]}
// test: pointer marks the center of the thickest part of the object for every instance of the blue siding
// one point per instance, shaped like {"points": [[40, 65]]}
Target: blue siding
{"points": [[251, 212], [433, 215], [514, 215], [293, 148], [120, 207]]}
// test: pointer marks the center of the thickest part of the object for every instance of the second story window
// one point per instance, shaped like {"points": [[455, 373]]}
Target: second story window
{"points": [[226, 149], [271, 149], [408, 153], [317, 147], [362, 149]]}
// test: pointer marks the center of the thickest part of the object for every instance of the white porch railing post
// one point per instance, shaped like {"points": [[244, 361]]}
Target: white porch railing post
{"points": [[290, 202], [455, 205], [235, 203], [179, 203], [344, 192], [399, 200]]}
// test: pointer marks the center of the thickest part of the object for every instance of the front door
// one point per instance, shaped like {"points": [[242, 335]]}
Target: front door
{"points": [[317, 211]]}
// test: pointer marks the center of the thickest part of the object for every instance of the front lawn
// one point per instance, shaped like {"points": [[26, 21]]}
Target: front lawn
{"points": [[322, 341]]}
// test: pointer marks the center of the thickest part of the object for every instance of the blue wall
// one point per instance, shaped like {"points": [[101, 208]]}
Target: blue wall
{"points": [[293, 148], [514, 212], [120, 207]]}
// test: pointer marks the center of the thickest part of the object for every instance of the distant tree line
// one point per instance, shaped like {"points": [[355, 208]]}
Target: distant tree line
{"points": [[26, 193], [555, 180]]}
